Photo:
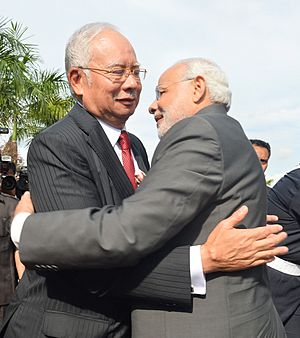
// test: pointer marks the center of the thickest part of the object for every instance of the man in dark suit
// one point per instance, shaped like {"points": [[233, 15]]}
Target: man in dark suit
{"points": [[74, 164], [284, 272], [200, 174]]}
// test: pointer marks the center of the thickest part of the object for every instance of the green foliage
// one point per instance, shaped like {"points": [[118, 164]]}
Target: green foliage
{"points": [[269, 182], [30, 98]]}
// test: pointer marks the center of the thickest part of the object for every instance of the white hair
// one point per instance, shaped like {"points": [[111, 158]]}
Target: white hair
{"points": [[78, 51], [215, 78]]}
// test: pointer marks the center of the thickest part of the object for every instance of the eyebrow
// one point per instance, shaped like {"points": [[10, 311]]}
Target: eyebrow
{"points": [[115, 64]]}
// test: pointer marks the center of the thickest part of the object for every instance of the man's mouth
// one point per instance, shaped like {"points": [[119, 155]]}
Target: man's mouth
{"points": [[158, 117], [127, 101]]}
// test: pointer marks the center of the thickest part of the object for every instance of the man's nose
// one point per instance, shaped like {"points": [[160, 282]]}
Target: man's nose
{"points": [[153, 107], [132, 82]]}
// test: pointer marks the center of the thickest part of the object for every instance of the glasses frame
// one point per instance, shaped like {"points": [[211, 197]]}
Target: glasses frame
{"points": [[128, 71], [159, 90]]}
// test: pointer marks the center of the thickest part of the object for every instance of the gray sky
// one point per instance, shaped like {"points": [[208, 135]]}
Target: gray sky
{"points": [[257, 44]]}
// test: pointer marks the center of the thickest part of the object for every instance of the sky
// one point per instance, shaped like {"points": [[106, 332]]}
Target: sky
{"points": [[256, 43]]}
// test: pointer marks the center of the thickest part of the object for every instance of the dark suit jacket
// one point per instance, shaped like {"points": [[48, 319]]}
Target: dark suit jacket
{"points": [[284, 201], [73, 165], [203, 169]]}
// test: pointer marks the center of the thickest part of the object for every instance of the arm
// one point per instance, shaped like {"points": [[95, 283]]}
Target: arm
{"points": [[284, 200], [227, 249], [165, 276], [88, 239], [112, 236]]}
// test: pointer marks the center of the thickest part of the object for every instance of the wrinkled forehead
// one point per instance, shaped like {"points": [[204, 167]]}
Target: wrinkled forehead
{"points": [[112, 48]]}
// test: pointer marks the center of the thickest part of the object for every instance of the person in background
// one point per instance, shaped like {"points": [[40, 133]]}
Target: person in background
{"points": [[284, 272], [263, 151], [10, 266]]}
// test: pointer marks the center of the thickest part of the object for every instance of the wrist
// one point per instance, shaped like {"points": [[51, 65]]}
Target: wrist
{"points": [[208, 262]]}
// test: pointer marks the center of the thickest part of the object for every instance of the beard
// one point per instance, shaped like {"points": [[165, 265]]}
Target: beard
{"points": [[169, 120]]}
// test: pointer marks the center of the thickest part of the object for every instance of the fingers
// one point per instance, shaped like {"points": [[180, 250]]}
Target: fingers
{"points": [[273, 239], [267, 256], [263, 232], [280, 250], [236, 217], [271, 244], [272, 218]]}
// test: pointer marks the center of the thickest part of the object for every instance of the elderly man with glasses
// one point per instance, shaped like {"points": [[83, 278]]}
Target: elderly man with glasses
{"points": [[88, 160]]}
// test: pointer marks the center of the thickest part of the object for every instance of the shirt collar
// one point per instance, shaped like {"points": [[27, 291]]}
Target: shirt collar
{"points": [[112, 133]]}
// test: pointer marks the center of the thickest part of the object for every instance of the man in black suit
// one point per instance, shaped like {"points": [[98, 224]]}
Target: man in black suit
{"points": [[284, 272], [76, 163], [125, 241]]}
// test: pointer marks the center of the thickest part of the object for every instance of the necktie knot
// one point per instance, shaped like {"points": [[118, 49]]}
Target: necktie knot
{"points": [[124, 140]]}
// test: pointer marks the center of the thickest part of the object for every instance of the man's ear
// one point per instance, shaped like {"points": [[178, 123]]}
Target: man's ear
{"points": [[76, 77], [199, 89]]}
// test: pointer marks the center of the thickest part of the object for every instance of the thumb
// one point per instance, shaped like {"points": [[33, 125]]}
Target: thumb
{"points": [[26, 196], [236, 217]]}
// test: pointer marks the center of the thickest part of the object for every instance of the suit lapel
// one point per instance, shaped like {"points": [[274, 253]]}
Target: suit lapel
{"points": [[137, 155], [99, 142]]}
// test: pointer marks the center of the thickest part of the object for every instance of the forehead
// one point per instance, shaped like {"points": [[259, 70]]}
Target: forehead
{"points": [[112, 48], [172, 74], [261, 151]]}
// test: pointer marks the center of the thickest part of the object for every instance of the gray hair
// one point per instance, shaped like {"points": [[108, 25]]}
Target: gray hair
{"points": [[215, 78], [78, 51]]}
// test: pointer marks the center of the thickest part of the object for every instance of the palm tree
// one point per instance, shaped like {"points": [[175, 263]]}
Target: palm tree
{"points": [[30, 99]]}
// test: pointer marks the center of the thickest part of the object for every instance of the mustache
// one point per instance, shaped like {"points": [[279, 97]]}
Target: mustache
{"points": [[132, 95]]}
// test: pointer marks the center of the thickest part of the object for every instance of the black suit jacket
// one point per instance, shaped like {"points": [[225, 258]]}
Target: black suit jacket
{"points": [[73, 165], [284, 201]]}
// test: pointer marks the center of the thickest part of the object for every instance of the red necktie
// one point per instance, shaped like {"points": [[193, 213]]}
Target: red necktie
{"points": [[127, 157]]}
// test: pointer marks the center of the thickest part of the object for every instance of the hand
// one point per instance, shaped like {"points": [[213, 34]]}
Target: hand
{"points": [[25, 204], [229, 249]]}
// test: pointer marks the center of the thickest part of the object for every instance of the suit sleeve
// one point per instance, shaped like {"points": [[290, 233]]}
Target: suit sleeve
{"points": [[183, 181], [162, 279]]}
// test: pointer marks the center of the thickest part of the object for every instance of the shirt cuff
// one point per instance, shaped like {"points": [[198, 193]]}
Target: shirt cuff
{"points": [[197, 276], [17, 226]]}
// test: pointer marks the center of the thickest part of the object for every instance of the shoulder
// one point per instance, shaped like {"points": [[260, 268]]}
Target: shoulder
{"points": [[60, 132], [8, 198]]}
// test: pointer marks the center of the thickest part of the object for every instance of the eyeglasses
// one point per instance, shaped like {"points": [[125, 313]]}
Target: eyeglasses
{"points": [[159, 90], [119, 74]]}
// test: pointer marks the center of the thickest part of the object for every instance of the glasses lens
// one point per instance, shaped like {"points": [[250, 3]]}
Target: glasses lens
{"points": [[121, 74], [117, 73], [157, 93]]}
